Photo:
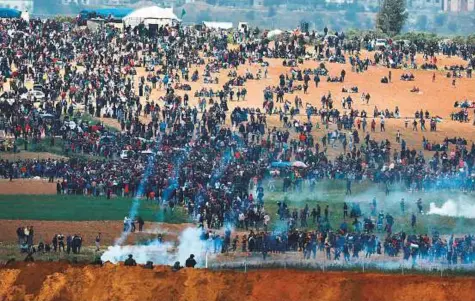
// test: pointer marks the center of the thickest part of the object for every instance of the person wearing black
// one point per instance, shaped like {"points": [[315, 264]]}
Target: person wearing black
{"points": [[176, 267], [79, 243], [68, 243], [21, 235], [141, 222], [190, 262], [58, 188], [61, 242], [74, 244], [130, 261], [348, 187], [98, 242], [55, 242]]}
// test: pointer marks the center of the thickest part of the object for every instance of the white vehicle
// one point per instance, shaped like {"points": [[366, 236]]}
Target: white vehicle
{"points": [[405, 43], [34, 95], [126, 154], [381, 43]]}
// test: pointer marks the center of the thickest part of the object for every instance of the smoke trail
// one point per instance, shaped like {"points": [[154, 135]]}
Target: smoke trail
{"points": [[191, 240], [175, 174], [140, 191]]}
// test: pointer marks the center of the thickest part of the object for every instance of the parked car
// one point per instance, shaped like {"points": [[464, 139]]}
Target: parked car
{"points": [[34, 95], [380, 43]]}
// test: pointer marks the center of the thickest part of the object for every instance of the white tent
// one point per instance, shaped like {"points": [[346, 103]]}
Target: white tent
{"points": [[151, 15], [218, 25]]}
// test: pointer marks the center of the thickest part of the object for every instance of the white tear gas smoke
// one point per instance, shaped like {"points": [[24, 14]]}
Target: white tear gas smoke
{"points": [[157, 252], [460, 208], [190, 242]]}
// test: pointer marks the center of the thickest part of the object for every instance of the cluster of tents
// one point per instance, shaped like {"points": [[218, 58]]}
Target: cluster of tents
{"points": [[152, 15]]}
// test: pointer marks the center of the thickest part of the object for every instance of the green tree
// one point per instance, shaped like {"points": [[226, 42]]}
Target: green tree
{"points": [[421, 22], [392, 16], [471, 40]]}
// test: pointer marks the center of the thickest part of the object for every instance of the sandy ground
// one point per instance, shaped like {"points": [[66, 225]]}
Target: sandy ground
{"points": [[27, 186], [22, 155], [110, 230], [437, 97], [61, 281]]}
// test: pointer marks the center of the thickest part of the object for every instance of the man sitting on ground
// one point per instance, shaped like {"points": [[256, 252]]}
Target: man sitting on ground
{"points": [[130, 261], [190, 262]]}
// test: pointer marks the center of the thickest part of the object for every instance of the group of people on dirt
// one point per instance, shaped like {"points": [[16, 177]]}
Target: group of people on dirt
{"points": [[58, 243]]}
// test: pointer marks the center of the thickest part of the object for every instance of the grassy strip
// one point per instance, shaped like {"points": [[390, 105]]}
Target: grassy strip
{"points": [[81, 208]]}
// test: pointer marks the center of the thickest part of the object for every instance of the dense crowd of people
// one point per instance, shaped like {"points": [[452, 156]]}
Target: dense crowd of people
{"points": [[358, 236], [177, 154]]}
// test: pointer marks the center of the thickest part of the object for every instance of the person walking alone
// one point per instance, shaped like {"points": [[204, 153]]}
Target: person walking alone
{"points": [[98, 242]]}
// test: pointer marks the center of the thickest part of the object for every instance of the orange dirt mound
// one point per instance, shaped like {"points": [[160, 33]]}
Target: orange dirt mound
{"points": [[61, 281]]}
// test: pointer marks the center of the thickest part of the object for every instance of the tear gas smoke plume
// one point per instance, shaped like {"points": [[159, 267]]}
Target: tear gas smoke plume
{"points": [[460, 208], [141, 189], [190, 242]]}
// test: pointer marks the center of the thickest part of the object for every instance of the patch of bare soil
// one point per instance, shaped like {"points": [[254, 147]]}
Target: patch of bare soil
{"points": [[110, 231], [27, 186], [61, 281]]}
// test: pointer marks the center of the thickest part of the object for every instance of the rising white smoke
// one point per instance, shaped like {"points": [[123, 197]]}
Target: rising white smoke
{"points": [[158, 253], [190, 242], [460, 208]]}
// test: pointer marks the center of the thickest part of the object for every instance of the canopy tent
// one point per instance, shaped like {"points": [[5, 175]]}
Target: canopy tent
{"points": [[218, 25], [299, 164], [151, 15], [9, 13]]}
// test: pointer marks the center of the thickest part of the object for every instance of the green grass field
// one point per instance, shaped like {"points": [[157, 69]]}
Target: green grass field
{"points": [[80, 208]]}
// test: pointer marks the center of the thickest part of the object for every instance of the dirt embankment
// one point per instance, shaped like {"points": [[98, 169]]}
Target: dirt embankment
{"points": [[60, 281]]}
